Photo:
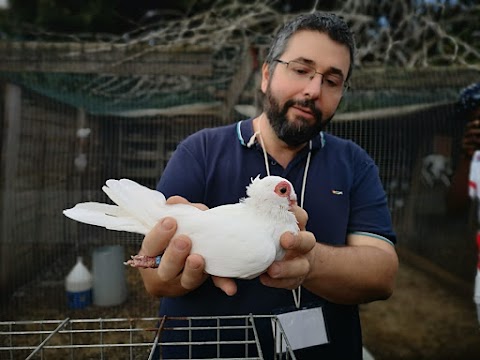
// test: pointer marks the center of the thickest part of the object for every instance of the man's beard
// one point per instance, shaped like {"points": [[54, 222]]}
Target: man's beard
{"points": [[293, 133]]}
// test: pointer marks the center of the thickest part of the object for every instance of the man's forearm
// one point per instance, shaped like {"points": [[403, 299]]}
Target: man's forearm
{"points": [[352, 274]]}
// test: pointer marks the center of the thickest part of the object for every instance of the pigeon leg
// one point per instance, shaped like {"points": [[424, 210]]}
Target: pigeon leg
{"points": [[143, 261]]}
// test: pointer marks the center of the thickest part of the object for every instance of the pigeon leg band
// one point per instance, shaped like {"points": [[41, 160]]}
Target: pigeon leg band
{"points": [[144, 261]]}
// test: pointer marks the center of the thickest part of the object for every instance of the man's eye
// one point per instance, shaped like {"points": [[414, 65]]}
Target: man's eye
{"points": [[301, 71], [333, 82]]}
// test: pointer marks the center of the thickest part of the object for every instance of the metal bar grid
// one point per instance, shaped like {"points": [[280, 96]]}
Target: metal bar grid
{"points": [[134, 338]]}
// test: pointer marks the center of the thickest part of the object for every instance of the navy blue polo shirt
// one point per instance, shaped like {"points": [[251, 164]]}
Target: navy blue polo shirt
{"points": [[343, 195]]}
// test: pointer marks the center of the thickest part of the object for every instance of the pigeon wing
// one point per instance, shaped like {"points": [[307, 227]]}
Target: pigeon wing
{"points": [[234, 241]]}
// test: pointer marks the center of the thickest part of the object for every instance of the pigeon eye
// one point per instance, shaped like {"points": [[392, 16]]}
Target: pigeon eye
{"points": [[283, 189]]}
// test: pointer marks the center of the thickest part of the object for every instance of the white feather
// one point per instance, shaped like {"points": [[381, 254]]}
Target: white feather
{"points": [[236, 240]]}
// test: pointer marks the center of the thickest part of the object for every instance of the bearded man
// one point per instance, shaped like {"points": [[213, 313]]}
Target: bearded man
{"points": [[344, 254]]}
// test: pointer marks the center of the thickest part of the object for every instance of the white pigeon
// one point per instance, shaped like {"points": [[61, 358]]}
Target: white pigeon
{"points": [[236, 240]]}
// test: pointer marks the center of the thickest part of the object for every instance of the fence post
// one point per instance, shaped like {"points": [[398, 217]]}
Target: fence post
{"points": [[10, 149]]}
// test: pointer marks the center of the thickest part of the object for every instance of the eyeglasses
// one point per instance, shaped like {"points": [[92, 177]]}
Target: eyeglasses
{"points": [[332, 84]]}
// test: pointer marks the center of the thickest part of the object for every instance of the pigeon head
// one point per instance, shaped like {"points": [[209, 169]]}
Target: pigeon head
{"points": [[272, 191]]}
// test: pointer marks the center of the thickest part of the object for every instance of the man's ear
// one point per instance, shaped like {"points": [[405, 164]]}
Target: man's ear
{"points": [[265, 77]]}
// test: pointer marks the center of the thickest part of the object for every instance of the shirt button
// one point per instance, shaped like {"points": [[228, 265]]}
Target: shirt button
{"points": [[273, 162]]}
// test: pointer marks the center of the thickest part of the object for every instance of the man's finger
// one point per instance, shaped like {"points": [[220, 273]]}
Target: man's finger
{"points": [[156, 241], [181, 200], [227, 285], [301, 243], [301, 215], [193, 274], [174, 257], [294, 269], [288, 283]]}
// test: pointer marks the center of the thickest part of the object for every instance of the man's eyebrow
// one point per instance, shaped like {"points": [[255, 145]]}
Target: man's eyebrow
{"points": [[332, 70]]}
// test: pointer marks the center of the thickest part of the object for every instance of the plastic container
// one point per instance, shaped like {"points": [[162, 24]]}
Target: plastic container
{"points": [[109, 284], [78, 286]]}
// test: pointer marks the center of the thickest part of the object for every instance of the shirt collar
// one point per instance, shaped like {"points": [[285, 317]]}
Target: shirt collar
{"points": [[245, 133]]}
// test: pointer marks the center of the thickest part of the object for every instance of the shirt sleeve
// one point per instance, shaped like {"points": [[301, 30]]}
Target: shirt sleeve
{"points": [[369, 212]]}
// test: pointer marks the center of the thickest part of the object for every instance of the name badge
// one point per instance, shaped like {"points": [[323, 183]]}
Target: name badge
{"points": [[302, 328]]}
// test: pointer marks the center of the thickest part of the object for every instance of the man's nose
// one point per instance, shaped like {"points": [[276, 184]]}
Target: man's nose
{"points": [[313, 88]]}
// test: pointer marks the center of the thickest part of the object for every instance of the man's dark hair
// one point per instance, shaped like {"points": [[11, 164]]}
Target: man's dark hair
{"points": [[332, 25]]}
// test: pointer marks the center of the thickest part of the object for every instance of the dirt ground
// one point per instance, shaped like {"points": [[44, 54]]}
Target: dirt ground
{"points": [[426, 318]]}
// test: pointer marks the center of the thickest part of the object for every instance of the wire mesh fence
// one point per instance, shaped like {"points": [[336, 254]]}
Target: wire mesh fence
{"points": [[42, 176]]}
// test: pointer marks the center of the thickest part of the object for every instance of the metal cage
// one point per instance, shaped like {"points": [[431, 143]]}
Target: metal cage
{"points": [[140, 338]]}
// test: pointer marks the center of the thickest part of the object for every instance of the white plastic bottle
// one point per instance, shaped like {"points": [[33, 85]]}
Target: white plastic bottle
{"points": [[78, 285], [109, 284]]}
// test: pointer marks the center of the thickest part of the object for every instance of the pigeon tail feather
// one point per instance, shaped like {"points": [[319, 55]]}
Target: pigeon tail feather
{"points": [[111, 217]]}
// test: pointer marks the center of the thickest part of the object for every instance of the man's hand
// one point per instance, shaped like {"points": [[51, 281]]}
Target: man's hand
{"points": [[471, 138], [179, 272], [290, 272]]}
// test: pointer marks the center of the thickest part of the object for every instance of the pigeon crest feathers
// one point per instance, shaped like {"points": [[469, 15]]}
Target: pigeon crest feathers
{"points": [[273, 195]]}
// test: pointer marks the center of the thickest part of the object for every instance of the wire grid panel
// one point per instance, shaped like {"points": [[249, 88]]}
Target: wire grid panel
{"points": [[225, 337]]}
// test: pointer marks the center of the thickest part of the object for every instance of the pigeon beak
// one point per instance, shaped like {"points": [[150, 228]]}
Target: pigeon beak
{"points": [[292, 199]]}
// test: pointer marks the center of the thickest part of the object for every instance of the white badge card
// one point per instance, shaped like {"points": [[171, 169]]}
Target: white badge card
{"points": [[302, 328]]}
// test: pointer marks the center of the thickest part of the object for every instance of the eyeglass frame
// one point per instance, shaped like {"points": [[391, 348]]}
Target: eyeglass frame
{"points": [[345, 84]]}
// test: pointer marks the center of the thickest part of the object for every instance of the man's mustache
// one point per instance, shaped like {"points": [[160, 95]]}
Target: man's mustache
{"points": [[309, 104]]}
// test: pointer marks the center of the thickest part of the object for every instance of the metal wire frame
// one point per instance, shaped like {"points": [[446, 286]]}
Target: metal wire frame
{"points": [[132, 338]]}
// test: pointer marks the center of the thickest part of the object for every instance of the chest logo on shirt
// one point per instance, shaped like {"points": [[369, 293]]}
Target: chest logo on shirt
{"points": [[337, 192]]}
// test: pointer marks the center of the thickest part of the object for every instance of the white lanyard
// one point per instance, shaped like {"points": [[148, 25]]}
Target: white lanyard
{"points": [[296, 292]]}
